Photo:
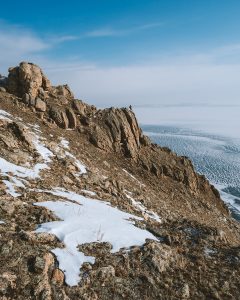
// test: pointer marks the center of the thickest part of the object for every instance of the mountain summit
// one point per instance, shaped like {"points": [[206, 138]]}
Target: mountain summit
{"points": [[90, 208]]}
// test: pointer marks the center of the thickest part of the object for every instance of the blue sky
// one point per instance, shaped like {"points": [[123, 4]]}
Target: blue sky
{"points": [[119, 52]]}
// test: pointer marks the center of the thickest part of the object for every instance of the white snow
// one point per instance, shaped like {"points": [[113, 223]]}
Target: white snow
{"points": [[81, 167], [11, 188], [45, 153], [18, 173], [143, 209], [89, 192], [64, 143], [35, 127], [15, 173], [141, 184], [4, 115], [85, 221], [2, 222], [208, 251]]}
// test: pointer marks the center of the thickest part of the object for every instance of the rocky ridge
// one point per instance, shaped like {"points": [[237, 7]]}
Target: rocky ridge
{"points": [[107, 154]]}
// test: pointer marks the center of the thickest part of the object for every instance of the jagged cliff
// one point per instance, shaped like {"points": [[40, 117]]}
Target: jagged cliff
{"points": [[50, 140]]}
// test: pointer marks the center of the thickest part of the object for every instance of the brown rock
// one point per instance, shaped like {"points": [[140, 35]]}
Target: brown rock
{"points": [[105, 273], [7, 281], [159, 256], [2, 89], [39, 264], [118, 130], [59, 116], [185, 292], [40, 105], [57, 277], [26, 98], [26, 78], [67, 180], [71, 118], [62, 90], [79, 106], [21, 133]]}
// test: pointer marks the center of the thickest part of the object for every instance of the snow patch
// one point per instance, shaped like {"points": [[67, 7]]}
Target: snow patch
{"points": [[64, 143], [88, 220], [15, 173], [145, 212], [11, 188]]}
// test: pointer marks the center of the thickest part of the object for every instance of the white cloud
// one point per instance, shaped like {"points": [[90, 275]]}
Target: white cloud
{"points": [[21, 44], [62, 39], [102, 32], [113, 32], [17, 44], [195, 78]]}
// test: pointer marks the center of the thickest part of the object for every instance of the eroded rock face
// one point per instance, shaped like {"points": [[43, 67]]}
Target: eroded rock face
{"points": [[59, 116], [118, 130]]}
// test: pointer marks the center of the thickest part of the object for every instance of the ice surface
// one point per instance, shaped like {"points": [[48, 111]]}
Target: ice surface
{"points": [[85, 221], [220, 120], [209, 136]]}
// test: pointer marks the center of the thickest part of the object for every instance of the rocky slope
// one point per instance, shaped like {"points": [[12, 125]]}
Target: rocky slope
{"points": [[91, 209]]}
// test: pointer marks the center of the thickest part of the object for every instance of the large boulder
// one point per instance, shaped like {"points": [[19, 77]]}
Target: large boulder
{"points": [[27, 78], [40, 105]]}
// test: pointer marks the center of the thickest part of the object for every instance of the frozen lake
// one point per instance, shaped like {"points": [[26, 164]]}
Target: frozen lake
{"points": [[209, 136]]}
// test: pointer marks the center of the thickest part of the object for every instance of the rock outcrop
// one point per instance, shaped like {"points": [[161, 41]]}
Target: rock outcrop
{"points": [[117, 130], [27, 78], [113, 130]]}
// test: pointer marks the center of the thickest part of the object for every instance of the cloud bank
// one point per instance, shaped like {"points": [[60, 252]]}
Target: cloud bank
{"points": [[181, 84]]}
